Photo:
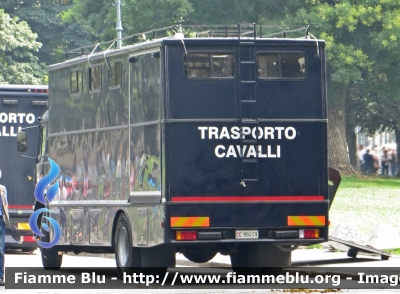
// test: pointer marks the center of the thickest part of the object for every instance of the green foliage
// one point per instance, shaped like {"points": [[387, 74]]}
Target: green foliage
{"points": [[344, 27], [44, 18], [18, 64], [99, 17]]}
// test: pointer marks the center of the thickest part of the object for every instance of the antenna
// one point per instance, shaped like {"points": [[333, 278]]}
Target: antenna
{"points": [[119, 23]]}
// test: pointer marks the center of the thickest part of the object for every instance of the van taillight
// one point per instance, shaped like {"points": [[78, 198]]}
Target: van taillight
{"points": [[186, 235], [309, 233]]}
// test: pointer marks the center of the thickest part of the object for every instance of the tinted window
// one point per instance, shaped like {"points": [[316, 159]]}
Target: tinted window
{"points": [[114, 74], [281, 65], [145, 88], [76, 82], [95, 78], [209, 65]]}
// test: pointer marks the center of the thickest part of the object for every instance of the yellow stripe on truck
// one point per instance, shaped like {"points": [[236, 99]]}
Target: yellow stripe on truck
{"points": [[306, 220], [23, 226], [190, 221]]}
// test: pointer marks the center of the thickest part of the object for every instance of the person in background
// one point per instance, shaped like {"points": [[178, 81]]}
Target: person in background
{"points": [[368, 162], [375, 162], [361, 152], [385, 163], [3, 199]]}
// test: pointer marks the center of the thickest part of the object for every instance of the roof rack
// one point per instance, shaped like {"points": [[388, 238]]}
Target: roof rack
{"points": [[242, 30]]}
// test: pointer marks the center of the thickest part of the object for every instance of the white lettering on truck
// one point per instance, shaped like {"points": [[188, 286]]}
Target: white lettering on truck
{"points": [[248, 133], [7, 130]]}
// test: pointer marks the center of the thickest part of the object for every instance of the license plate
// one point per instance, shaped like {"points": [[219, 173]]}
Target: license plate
{"points": [[246, 234]]}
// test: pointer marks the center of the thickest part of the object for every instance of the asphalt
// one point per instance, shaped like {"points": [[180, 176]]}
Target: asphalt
{"points": [[311, 258], [317, 261], [303, 259]]}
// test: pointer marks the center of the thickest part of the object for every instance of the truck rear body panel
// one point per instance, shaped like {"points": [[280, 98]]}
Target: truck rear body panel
{"points": [[19, 109]]}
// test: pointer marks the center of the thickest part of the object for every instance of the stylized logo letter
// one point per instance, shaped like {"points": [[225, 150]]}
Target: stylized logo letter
{"points": [[45, 196], [35, 229], [45, 181]]}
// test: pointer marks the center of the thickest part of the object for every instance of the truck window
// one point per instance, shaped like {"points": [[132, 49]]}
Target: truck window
{"points": [[114, 74], [95, 78], [281, 65], [209, 65], [76, 82], [145, 87]]}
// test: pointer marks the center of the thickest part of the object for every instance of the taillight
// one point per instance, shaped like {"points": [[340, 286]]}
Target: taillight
{"points": [[186, 235], [309, 233], [38, 90], [29, 239]]}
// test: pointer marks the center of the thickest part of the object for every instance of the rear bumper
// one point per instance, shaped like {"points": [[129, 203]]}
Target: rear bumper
{"points": [[275, 222], [248, 214], [15, 242], [14, 239]]}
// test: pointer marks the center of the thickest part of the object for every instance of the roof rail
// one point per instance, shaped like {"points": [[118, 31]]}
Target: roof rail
{"points": [[199, 31]]}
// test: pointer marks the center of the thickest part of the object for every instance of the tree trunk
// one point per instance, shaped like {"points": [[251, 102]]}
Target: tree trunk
{"points": [[352, 145], [337, 147], [397, 134]]}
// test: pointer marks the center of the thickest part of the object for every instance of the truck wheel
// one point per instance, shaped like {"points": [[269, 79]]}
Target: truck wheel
{"points": [[50, 258], [199, 254], [352, 253], [123, 246], [246, 261]]}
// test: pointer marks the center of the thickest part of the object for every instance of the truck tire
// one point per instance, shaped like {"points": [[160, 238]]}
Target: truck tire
{"points": [[352, 253], [124, 253], [200, 254], [50, 258], [246, 261]]}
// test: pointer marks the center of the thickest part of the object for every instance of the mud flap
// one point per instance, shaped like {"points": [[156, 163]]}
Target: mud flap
{"points": [[333, 184], [272, 255], [261, 255], [157, 256]]}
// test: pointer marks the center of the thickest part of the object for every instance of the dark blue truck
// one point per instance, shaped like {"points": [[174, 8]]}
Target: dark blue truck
{"points": [[214, 142], [20, 106]]}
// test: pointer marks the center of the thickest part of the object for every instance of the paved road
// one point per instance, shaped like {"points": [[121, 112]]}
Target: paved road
{"points": [[337, 262]]}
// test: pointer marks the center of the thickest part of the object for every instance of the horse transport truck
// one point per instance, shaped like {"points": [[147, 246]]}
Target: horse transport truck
{"points": [[20, 107], [200, 141]]}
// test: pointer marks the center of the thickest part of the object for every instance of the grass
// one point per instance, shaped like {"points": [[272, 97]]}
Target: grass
{"points": [[315, 246], [393, 251], [366, 202]]}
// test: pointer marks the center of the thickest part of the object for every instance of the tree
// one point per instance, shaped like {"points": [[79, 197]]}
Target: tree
{"points": [[18, 64], [346, 27], [99, 17], [44, 18]]}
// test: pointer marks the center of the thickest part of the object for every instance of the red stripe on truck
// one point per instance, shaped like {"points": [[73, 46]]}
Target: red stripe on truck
{"points": [[244, 198], [20, 206]]}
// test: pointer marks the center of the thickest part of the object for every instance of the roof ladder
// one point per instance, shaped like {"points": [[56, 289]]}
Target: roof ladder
{"points": [[248, 108]]}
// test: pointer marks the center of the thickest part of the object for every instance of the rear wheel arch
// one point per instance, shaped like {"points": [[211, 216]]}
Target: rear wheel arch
{"points": [[115, 221]]}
